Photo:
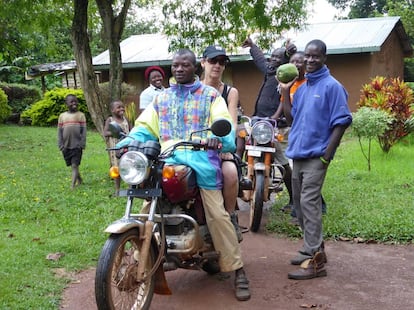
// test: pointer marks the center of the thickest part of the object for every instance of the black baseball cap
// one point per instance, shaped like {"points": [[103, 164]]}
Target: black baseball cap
{"points": [[214, 51]]}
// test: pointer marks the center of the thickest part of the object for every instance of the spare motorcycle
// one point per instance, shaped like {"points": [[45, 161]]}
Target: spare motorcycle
{"points": [[266, 174]]}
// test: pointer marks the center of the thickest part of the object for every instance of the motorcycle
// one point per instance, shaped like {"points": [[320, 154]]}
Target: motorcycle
{"points": [[173, 234], [265, 174]]}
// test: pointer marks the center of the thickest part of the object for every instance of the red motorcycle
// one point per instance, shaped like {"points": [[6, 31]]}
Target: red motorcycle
{"points": [[173, 234]]}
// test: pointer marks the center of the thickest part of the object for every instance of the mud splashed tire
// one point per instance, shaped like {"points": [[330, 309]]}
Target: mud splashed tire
{"points": [[116, 287]]}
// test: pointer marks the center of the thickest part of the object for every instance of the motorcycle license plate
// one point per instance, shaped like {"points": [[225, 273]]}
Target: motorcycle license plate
{"points": [[256, 151]]}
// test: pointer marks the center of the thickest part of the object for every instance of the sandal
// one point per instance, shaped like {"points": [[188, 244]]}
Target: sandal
{"points": [[244, 229], [241, 284]]}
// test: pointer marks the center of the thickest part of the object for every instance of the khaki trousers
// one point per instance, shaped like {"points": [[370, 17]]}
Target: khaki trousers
{"points": [[221, 230]]}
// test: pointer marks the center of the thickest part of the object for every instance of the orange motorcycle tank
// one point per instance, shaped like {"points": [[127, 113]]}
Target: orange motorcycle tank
{"points": [[179, 183]]}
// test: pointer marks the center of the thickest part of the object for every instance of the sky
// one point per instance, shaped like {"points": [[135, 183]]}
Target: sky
{"points": [[322, 11]]}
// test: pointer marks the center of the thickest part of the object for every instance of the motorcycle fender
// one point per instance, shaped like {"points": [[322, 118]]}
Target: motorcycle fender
{"points": [[160, 282], [124, 224], [259, 166]]}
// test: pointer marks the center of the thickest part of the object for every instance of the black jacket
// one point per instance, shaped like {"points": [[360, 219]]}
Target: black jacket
{"points": [[268, 99]]}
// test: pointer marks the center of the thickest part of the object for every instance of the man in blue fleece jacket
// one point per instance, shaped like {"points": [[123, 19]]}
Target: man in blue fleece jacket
{"points": [[319, 115]]}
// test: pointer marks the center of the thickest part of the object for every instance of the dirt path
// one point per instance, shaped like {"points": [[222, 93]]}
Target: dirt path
{"points": [[360, 276]]}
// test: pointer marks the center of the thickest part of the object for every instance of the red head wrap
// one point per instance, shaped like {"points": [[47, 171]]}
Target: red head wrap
{"points": [[153, 68]]}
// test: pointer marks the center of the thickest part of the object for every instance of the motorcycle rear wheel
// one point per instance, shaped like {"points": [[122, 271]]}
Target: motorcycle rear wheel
{"points": [[116, 287], [256, 204]]}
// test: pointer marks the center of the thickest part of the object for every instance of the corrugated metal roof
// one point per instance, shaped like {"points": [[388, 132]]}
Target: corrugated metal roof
{"points": [[341, 37], [348, 36], [139, 48]]}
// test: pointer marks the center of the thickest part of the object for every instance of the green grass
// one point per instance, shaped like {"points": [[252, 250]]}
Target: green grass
{"points": [[372, 205], [40, 214]]}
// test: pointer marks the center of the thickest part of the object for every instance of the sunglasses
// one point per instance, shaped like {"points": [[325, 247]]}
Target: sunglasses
{"points": [[222, 61]]}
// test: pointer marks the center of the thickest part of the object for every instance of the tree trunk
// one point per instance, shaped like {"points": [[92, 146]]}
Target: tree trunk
{"points": [[83, 57], [113, 27]]}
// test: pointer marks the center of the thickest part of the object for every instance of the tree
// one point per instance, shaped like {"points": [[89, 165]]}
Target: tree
{"points": [[37, 32], [142, 20], [83, 58], [38, 29], [227, 22], [361, 8], [113, 26], [196, 24], [42, 30], [404, 9], [370, 123], [370, 8]]}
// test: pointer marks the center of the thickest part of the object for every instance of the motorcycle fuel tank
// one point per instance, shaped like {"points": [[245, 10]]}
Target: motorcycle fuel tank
{"points": [[180, 183]]}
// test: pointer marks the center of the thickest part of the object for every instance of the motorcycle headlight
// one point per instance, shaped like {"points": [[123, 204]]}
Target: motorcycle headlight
{"points": [[134, 167], [262, 132]]}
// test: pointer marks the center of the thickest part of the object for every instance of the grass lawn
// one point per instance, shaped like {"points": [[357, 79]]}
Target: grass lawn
{"points": [[376, 205], [41, 215]]}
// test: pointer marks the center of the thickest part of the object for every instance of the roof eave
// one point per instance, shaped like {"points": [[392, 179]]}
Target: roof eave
{"points": [[354, 50]]}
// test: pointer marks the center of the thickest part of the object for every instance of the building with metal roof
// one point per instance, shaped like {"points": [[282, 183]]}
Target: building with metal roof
{"points": [[358, 50], [348, 36], [362, 35]]}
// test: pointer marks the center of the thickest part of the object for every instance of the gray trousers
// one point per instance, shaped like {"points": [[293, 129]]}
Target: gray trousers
{"points": [[307, 179]]}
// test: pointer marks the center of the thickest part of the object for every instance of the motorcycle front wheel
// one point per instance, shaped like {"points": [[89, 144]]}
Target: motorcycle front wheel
{"points": [[256, 204], [116, 287]]}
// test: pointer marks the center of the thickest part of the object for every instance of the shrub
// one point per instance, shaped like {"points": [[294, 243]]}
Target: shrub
{"points": [[394, 97], [46, 111], [21, 96], [369, 123], [5, 109]]}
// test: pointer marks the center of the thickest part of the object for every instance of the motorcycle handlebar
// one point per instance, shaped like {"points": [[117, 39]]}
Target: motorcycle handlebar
{"points": [[195, 145]]}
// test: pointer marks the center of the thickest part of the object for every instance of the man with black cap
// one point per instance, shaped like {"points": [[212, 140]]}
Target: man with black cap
{"points": [[155, 76]]}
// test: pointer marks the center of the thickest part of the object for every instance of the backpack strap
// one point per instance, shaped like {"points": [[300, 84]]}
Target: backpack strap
{"points": [[225, 93]]}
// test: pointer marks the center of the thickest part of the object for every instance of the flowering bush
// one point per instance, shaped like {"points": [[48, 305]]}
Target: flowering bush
{"points": [[394, 97]]}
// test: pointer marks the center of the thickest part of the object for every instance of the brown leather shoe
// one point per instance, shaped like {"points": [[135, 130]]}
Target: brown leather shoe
{"points": [[310, 268], [300, 258]]}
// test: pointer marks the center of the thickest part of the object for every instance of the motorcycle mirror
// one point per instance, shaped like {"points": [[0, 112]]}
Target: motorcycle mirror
{"points": [[115, 129], [221, 127]]}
